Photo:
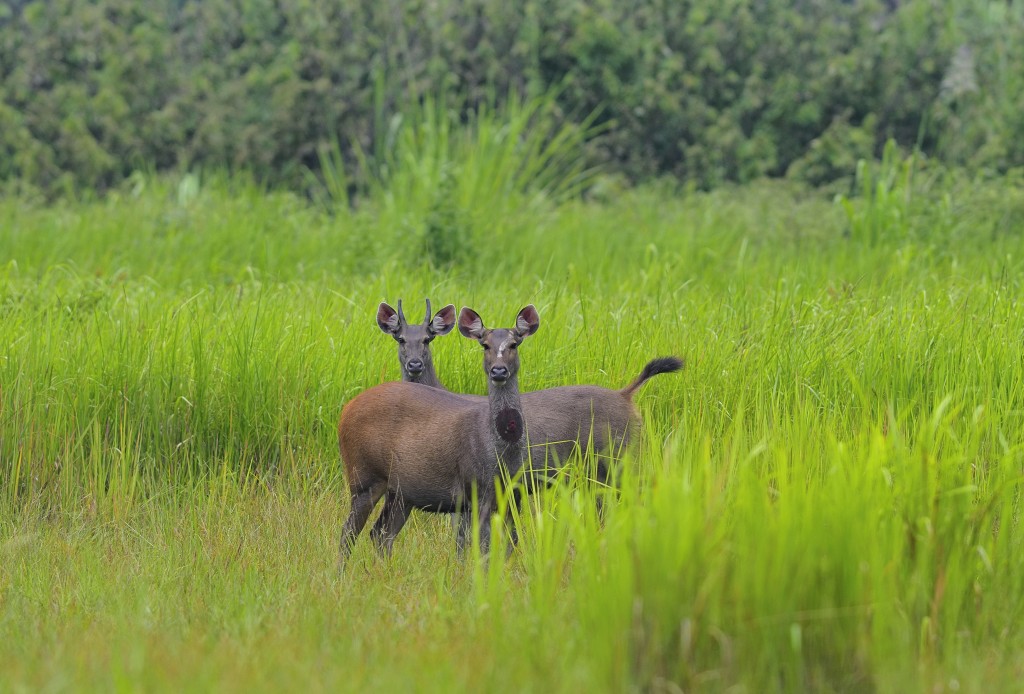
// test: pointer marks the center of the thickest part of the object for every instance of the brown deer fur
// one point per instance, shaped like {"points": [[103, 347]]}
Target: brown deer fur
{"points": [[429, 449]]}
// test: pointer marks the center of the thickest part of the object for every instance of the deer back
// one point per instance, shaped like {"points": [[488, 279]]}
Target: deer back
{"points": [[425, 442], [556, 418]]}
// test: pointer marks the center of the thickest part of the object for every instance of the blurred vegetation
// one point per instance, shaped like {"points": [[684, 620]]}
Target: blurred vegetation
{"points": [[705, 91]]}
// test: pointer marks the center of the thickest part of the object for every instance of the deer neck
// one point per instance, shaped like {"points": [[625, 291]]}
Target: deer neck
{"points": [[508, 425], [430, 379]]}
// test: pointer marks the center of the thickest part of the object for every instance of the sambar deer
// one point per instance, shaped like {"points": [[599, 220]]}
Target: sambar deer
{"points": [[414, 340], [428, 449], [596, 420]]}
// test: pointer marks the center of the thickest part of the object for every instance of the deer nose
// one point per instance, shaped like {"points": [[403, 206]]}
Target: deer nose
{"points": [[499, 373], [414, 366]]}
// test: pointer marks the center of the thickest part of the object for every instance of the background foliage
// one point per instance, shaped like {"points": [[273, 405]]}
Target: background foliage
{"points": [[703, 90]]}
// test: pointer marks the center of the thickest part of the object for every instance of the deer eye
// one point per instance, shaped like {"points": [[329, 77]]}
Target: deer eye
{"points": [[427, 340], [401, 340], [486, 346]]}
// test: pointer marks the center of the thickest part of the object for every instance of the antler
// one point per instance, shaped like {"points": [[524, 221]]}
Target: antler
{"points": [[427, 319], [401, 316]]}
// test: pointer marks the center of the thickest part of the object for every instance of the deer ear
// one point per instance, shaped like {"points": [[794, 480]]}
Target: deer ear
{"points": [[443, 321], [470, 324], [387, 319], [527, 322]]}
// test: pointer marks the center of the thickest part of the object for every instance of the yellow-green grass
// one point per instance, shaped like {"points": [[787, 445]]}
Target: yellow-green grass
{"points": [[828, 498]]}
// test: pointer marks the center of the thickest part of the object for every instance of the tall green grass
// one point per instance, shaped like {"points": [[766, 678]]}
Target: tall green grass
{"points": [[828, 498], [444, 183]]}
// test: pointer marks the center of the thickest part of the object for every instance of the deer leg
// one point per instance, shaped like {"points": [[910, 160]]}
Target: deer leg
{"points": [[463, 518], [378, 529], [517, 500], [486, 504], [391, 521], [363, 502], [601, 473], [484, 511], [464, 535]]}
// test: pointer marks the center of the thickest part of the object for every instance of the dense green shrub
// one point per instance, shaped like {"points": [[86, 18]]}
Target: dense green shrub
{"points": [[707, 91]]}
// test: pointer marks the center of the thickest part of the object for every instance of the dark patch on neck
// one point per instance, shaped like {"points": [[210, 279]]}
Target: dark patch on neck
{"points": [[509, 424]]}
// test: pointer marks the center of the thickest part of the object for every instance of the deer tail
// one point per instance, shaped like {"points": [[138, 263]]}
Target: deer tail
{"points": [[661, 365]]}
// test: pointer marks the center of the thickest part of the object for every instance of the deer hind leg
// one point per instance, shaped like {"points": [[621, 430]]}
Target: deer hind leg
{"points": [[390, 522], [363, 501], [605, 464], [601, 477]]}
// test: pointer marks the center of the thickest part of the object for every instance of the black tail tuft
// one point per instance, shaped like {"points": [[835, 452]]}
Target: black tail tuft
{"points": [[661, 365]]}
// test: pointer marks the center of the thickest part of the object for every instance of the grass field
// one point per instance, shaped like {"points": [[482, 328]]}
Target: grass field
{"points": [[828, 498]]}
